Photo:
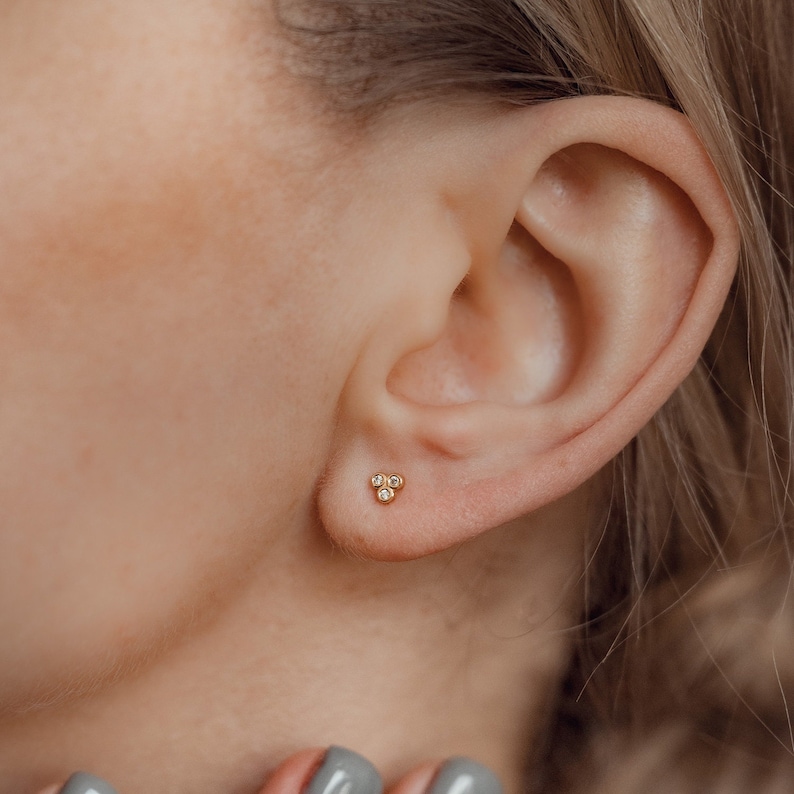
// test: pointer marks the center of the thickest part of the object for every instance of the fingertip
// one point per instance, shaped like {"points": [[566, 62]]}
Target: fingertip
{"points": [[465, 776], [418, 780], [293, 775], [80, 783], [344, 771]]}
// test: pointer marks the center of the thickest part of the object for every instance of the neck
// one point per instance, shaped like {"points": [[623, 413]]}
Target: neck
{"points": [[403, 662]]}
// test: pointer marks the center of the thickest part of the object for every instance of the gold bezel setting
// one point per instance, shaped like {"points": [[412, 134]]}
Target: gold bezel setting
{"points": [[386, 486]]}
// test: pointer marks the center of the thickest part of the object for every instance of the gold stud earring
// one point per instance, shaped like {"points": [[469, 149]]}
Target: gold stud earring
{"points": [[386, 485]]}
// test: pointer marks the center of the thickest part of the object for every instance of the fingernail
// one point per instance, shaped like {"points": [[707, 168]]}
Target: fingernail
{"points": [[344, 772], [83, 783], [464, 776]]}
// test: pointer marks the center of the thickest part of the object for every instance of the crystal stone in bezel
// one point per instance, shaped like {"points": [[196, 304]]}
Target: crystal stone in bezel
{"points": [[395, 481], [378, 480], [385, 494]]}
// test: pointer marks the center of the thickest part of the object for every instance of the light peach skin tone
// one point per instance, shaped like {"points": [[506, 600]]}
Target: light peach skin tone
{"points": [[222, 308]]}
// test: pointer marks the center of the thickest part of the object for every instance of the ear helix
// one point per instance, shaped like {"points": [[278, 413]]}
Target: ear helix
{"points": [[386, 486]]}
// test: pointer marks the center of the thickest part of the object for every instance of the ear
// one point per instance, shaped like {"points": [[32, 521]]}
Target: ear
{"points": [[596, 247]]}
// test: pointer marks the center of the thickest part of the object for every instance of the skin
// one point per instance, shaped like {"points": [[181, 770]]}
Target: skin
{"points": [[222, 311], [186, 291]]}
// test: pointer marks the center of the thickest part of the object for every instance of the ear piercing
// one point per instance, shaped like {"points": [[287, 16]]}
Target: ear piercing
{"points": [[385, 486]]}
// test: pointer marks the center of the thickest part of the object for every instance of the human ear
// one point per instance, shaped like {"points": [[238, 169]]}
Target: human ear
{"points": [[599, 249]]}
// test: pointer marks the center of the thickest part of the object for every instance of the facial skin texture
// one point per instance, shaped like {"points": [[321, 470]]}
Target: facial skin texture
{"points": [[186, 284], [210, 292], [165, 265]]}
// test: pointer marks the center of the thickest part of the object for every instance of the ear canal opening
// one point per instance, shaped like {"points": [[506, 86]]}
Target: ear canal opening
{"points": [[463, 287]]}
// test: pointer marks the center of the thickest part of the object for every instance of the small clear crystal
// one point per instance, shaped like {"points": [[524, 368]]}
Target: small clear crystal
{"points": [[378, 480], [385, 495], [395, 481]]}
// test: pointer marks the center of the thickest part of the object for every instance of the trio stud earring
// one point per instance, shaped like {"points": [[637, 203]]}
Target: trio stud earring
{"points": [[386, 485]]}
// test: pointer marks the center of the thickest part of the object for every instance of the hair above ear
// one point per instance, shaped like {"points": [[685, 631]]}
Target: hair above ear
{"points": [[601, 248]]}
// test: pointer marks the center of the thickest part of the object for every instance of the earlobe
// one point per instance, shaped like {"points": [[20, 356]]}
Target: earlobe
{"points": [[602, 247]]}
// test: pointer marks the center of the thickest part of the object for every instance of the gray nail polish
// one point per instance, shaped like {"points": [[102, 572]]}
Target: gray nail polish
{"points": [[464, 776], [82, 783], [345, 772]]}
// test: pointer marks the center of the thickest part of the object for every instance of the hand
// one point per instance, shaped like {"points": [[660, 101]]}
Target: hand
{"points": [[340, 771]]}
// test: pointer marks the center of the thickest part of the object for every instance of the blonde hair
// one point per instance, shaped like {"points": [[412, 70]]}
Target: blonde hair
{"points": [[685, 665]]}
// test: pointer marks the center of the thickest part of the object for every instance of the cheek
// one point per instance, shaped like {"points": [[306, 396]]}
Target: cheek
{"points": [[171, 359], [156, 434]]}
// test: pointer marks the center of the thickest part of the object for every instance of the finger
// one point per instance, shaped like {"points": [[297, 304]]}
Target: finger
{"points": [[294, 774], [315, 771], [80, 783], [418, 780], [331, 771], [455, 776]]}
